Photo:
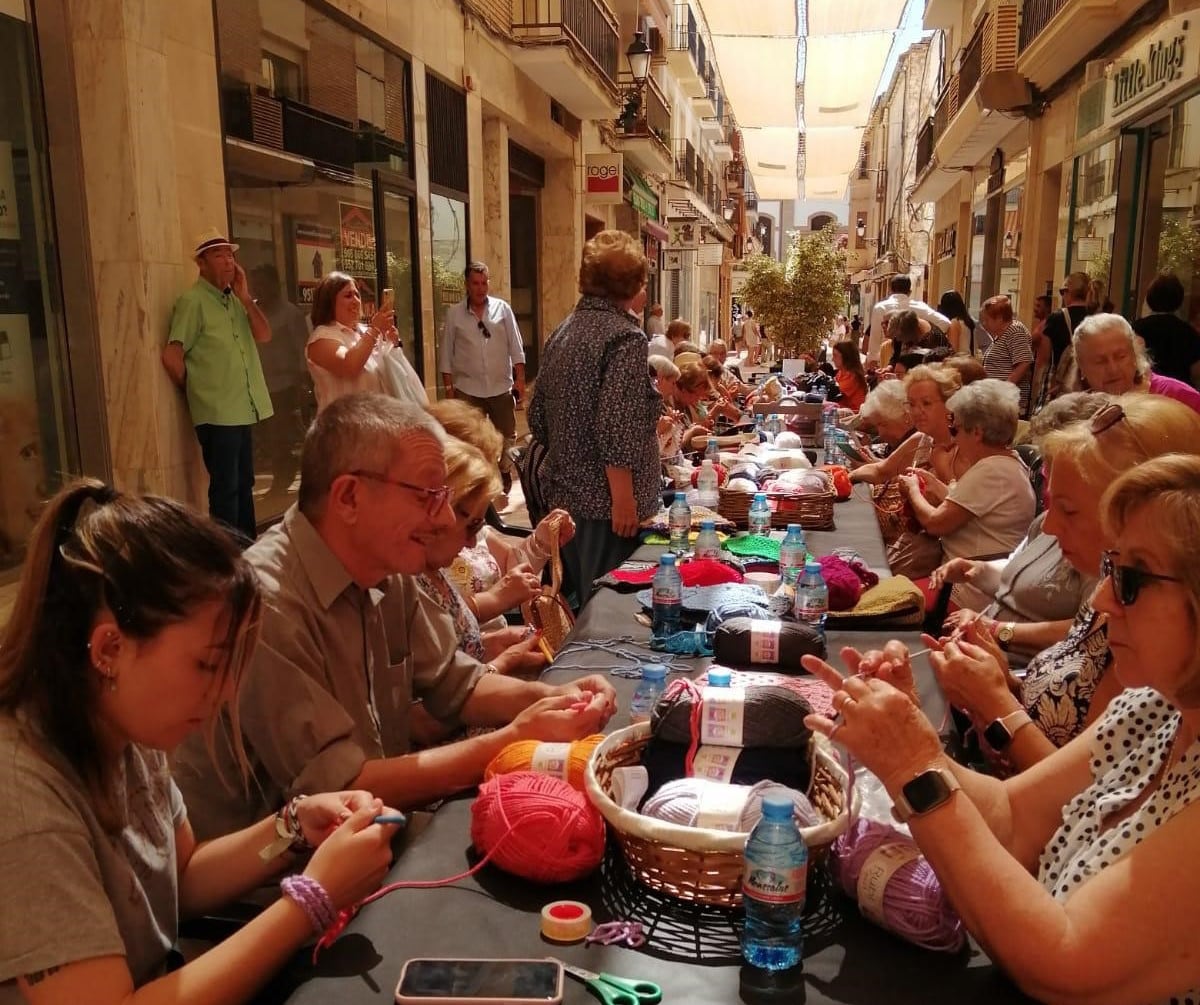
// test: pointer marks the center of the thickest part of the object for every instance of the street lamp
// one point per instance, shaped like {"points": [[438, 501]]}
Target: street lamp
{"points": [[638, 54], [728, 208], [861, 230]]}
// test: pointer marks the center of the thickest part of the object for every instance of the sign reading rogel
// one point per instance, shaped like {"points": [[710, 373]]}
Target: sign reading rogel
{"points": [[1155, 67], [604, 178]]}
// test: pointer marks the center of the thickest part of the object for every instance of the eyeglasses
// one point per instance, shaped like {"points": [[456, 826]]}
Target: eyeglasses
{"points": [[486, 331], [1062, 291], [435, 499], [471, 528], [1128, 581], [1109, 416]]}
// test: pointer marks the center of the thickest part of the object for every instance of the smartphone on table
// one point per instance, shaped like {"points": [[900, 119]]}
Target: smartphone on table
{"points": [[480, 982]]}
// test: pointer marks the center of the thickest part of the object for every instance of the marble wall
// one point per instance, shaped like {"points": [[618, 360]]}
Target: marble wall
{"points": [[153, 178]]}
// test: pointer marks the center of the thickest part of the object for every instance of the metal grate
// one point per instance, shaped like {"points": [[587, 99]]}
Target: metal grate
{"points": [[447, 134], [1035, 15], [527, 166]]}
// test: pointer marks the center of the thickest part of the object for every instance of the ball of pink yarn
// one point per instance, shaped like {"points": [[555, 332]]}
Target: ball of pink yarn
{"points": [[914, 906], [540, 827], [845, 588]]}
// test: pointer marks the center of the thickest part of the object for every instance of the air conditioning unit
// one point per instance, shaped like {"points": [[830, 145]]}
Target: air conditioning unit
{"points": [[1004, 91]]}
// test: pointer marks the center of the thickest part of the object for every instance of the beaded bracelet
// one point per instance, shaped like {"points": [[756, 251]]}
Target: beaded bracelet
{"points": [[312, 898]]}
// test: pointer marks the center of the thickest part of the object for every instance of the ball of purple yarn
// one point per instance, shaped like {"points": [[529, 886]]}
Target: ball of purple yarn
{"points": [[914, 906]]}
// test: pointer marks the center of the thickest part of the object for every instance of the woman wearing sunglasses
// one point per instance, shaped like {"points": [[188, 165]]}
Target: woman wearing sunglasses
{"points": [[1067, 685], [1077, 877]]}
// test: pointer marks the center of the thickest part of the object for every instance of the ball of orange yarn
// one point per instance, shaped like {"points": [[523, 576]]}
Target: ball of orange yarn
{"points": [[540, 828], [567, 761]]}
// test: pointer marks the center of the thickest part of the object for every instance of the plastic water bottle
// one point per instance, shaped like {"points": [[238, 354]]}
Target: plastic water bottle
{"points": [[792, 554], [760, 515], [773, 888], [712, 452], [666, 592], [649, 690], [679, 519], [720, 677], [812, 597], [707, 545], [706, 485], [829, 426]]}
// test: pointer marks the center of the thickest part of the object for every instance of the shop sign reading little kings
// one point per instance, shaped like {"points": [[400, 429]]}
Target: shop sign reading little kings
{"points": [[1154, 68]]}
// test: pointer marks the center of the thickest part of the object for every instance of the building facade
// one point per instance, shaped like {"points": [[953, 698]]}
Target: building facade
{"points": [[890, 234], [388, 139], [1064, 139]]}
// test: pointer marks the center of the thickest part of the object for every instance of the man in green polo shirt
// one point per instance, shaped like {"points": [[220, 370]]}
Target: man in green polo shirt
{"points": [[211, 354]]}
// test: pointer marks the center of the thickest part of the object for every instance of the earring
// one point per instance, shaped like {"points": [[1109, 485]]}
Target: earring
{"points": [[106, 671]]}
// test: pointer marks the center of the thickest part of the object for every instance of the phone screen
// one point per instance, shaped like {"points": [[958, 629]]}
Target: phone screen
{"points": [[523, 980]]}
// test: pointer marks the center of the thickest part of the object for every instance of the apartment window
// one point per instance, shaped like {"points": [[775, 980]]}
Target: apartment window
{"points": [[281, 77]]}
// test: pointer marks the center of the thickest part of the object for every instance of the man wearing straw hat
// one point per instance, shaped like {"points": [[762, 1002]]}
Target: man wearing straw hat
{"points": [[211, 354]]}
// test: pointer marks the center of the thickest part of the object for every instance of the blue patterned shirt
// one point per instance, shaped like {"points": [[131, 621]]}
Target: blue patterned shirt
{"points": [[593, 407]]}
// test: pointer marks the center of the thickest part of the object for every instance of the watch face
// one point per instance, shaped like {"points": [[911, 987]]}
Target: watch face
{"points": [[926, 791], [997, 735]]}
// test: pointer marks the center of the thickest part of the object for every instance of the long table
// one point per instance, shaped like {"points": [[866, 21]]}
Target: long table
{"points": [[847, 960]]}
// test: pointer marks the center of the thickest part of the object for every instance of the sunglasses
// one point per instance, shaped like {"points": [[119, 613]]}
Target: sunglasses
{"points": [[484, 328], [1109, 416], [1127, 581], [435, 499]]}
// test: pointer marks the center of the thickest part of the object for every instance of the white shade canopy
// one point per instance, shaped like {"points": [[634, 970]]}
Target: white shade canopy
{"points": [[815, 74]]}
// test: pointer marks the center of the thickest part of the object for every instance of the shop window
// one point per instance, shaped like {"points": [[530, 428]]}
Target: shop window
{"points": [[448, 222], [1093, 211], [1010, 244]]}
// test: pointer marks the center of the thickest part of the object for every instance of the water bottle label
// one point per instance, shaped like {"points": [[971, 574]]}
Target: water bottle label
{"points": [[877, 870], [776, 886], [721, 806], [715, 763], [668, 596], [764, 641], [551, 759], [723, 715], [808, 609]]}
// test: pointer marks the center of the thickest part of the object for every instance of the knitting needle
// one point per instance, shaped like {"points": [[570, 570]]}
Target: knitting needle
{"points": [[391, 818]]}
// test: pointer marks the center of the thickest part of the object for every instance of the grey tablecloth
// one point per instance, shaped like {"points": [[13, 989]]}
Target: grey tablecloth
{"points": [[847, 960]]}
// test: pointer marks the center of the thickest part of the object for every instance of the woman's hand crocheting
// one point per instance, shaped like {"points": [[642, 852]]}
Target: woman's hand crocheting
{"points": [[322, 814], [971, 678], [890, 664], [877, 724], [353, 860]]}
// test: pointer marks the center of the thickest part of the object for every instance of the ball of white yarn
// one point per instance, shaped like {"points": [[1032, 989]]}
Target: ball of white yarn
{"points": [[678, 802], [741, 485], [789, 441]]}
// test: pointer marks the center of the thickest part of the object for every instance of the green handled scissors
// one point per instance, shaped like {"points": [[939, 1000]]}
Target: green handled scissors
{"points": [[616, 990]]}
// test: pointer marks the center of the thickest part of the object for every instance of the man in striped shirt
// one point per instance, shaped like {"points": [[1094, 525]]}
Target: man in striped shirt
{"points": [[1010, 356]]}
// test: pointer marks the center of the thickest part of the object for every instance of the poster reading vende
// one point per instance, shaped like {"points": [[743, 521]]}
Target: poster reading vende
{"points": [[356, 251]]}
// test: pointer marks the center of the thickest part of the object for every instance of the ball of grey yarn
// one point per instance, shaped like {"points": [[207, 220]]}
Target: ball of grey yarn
{"points": [[678, 802], [774, 717]]}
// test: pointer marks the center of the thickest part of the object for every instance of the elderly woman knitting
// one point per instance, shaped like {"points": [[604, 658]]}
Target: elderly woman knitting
{"points": [[1078, 878], [1111, 358], [1067, 685], [988, 509]]}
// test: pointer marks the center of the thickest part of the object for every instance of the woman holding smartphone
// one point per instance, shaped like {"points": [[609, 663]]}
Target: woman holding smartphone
{"points": [[345, 355], [134, 620]]}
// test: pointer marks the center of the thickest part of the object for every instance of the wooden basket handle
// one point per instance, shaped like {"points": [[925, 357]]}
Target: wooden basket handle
{"points": [[556, 569]]}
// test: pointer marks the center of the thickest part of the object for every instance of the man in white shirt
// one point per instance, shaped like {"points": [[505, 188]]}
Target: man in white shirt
{"points": [[482, 355], [900, 300]]}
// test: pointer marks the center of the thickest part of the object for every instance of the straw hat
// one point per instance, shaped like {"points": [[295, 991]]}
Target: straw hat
{"points": [[212, 238]]}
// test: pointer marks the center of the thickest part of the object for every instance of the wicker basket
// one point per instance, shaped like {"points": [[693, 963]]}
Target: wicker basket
{"points": [[696, 863], [813, 510]]}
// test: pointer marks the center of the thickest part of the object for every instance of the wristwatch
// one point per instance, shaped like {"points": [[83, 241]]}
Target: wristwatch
{"points": [[1004, 635], [999, 733], [926, 792]]}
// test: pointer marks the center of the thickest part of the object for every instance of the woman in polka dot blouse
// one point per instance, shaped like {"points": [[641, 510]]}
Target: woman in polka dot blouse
{"points": [[1078, 875]]}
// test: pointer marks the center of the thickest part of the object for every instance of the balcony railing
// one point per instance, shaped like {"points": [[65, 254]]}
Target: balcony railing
{"points": [[946, 108], [317, 135], [685, 35], [1035, 15], [653, 113], [375, 146], [925, 141], [588, 24], [971, 67], [687, 167]]}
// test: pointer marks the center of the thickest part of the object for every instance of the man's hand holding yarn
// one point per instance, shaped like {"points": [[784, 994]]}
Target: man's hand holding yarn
{"points": [[878, 724], [598, 692], [559, 717]]}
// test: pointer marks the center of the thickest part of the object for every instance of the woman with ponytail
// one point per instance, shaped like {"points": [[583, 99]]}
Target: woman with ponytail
{"points": [[133, 621]]}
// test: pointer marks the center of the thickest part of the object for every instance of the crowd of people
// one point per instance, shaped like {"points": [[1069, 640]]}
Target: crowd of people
{"points": [[183, 721]]}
